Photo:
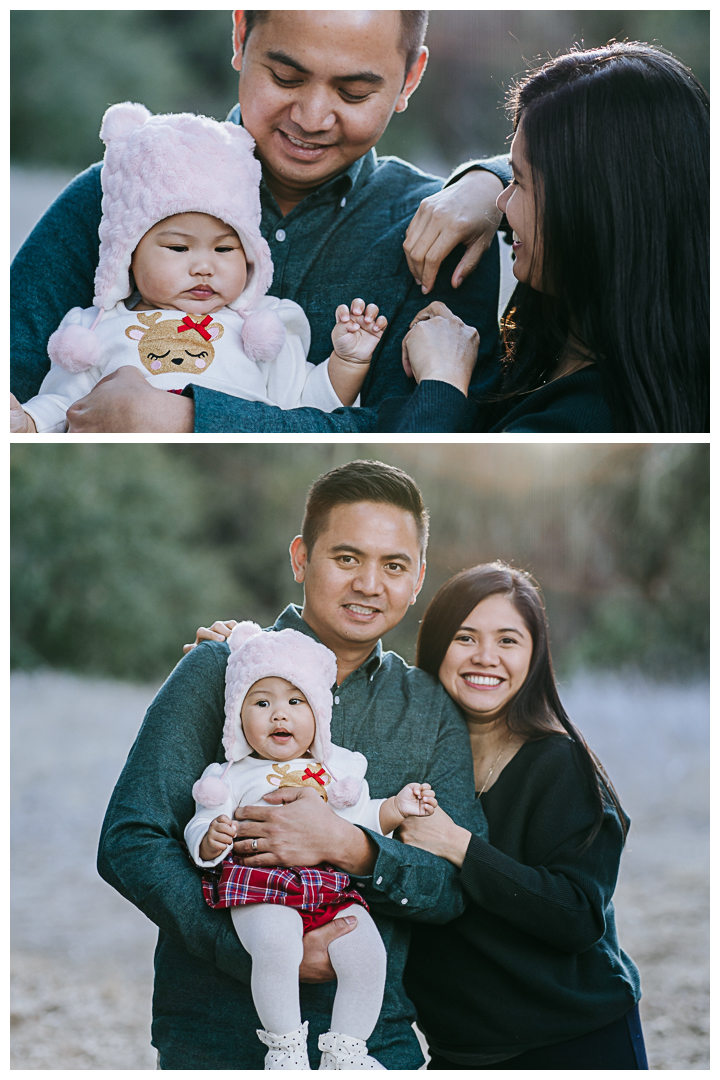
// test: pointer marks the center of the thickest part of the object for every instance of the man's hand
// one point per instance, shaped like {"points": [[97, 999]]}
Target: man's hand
{"points": [[316, 966], [125, 401], [216, 839], [219, 631], [464, 213], [298, 828], [440, 346], [20, 421]]}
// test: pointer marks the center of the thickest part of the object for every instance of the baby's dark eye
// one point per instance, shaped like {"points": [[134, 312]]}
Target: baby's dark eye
{"points": [[177, 247], [194, 354], [157, 356], [296, 701], [223, 249]]}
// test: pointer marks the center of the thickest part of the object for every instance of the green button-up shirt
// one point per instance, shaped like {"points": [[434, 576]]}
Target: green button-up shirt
{"points": [[409, 730]]}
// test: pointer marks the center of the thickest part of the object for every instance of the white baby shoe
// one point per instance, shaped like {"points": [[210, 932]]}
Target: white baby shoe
{"points": [[286, 1051], [344, 1052]]}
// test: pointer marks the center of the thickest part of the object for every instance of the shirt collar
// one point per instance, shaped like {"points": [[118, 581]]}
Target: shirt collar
{"points": [[342, 184], [291, 619]]}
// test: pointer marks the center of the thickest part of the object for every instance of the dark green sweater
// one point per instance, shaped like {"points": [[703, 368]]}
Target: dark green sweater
{"points": [[534, 959], [203, 1013]]}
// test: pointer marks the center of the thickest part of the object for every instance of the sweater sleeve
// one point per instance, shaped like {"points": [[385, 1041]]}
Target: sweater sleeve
{"points": [[560, 895], [52, 272], [142, 853], [407, 881], [498, 165]]}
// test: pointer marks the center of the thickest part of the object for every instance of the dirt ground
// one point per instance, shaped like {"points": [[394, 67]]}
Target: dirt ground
{"points": [[82, 956]]}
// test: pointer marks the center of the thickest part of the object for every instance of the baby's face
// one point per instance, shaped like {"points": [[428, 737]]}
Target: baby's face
{"points": [[277, 720], [190, 262]]}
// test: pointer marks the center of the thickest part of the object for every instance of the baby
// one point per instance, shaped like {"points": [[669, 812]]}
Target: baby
{"points": [[181, 282], [278, 707]]}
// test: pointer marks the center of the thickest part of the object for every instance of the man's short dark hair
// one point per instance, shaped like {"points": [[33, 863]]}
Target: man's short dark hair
{"points": [[413, 26], [363, 481]]}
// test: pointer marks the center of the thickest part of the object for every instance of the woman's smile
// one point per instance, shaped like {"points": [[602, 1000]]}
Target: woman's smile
{"points": [[488, 659]]}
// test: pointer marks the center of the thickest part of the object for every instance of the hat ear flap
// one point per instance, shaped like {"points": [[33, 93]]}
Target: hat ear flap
{"points": [[120, 121]]}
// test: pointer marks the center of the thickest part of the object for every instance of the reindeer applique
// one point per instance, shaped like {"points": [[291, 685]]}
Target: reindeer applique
{"points": [[175, 344], [314, 776]]}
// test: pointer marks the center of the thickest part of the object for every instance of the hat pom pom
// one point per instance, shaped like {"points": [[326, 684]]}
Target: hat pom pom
{"points": [[241, 633], [210, 792], [263, 335], [120, 120], [344, 792], [75, 348]]}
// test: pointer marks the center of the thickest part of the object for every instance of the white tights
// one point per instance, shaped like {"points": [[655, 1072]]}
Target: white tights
{"points": [[273, 935]]}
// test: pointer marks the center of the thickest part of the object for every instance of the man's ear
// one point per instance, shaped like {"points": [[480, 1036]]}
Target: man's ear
{"points": [[298, 558], [420, 580], [412, 80], [239, 31]]}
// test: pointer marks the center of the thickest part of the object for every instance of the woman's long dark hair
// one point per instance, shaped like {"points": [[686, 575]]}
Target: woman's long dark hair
{"points": [[536, 709], [618, 144]]}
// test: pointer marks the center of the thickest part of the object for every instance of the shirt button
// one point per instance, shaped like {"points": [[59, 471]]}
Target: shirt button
{"points": [[280, 235], [379, 881], [337, 700], [403, 901], [343, 201]]}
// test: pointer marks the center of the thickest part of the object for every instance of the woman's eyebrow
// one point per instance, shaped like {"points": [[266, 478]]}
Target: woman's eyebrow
{"points": [[514, 167]]}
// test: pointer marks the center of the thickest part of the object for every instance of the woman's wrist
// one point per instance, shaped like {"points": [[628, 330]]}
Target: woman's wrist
{"points": [[458, 844], [460, 380]]}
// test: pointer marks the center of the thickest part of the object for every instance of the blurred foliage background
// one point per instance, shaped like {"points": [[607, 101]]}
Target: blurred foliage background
{"points": [[68, 66], [120, 551]]}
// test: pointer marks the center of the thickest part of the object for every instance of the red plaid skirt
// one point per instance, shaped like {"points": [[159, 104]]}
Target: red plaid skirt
{"points": [[318, 892]]}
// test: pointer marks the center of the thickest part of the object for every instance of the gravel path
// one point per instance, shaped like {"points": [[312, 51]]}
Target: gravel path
{"points": [[82, 956]]}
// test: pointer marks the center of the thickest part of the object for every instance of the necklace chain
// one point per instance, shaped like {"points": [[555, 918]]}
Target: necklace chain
{"points": [[492, 767]]}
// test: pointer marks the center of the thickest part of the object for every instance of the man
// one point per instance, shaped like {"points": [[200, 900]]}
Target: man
{"points": [[360, 558], [316, 89]]}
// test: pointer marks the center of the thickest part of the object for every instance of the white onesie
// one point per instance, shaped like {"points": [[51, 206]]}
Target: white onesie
{"points": [[272, 933], [170, 352]]}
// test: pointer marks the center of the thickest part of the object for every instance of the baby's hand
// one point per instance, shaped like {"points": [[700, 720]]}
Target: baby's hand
{"points": [[357, 331], [416, 800], [19, 419], [218, 837]]}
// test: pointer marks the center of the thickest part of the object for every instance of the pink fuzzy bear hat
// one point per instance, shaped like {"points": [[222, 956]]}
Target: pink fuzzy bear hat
{"points": [[157, 166], [311, 667]]}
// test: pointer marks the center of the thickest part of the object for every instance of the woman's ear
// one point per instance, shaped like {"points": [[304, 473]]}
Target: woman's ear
{"points": [[239, 34]]}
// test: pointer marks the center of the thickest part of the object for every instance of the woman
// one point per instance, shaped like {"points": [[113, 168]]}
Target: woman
{"points": [[608, 327], [531, 976]]}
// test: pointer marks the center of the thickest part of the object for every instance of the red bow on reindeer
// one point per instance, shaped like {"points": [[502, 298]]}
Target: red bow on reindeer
{"points": [[200, 327], [310, 775]]}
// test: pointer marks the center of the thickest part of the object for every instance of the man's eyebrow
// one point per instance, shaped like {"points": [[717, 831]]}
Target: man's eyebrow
{"points": [[283, 58], [360, 76], [400, 556]]}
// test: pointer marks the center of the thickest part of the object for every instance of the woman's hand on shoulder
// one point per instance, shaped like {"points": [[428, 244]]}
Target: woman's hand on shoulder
{"points": [[437, 834], [466, 213], [440, 346], [219, 631]]}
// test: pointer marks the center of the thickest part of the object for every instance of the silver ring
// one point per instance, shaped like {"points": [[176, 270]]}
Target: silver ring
{"points": [[253, 844]]}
